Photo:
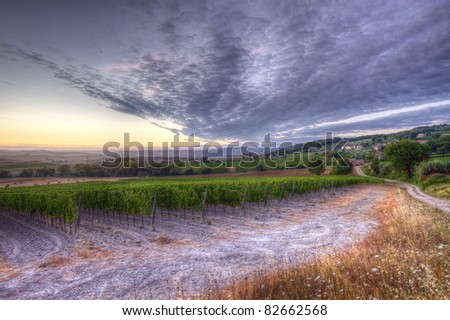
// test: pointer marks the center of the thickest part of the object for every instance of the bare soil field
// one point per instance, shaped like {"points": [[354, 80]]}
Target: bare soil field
{"points": [[28, 182], [182, 258]]}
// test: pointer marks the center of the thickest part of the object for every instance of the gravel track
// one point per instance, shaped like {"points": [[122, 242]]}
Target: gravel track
{"points": [[108, 260], [415, 192]]}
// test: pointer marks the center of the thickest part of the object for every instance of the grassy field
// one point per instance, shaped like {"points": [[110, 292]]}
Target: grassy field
{"points": [[407, 258], [437, 185]]}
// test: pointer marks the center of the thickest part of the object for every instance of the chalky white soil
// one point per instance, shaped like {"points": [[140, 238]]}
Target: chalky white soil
{"points": [[183, 257]]}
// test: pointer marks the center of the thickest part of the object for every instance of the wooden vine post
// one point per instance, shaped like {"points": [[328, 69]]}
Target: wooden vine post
{"points": [[205, 199], [266, 194], [78, 216], [293, 189], [155, 199], [281, 193], [243, 199]]}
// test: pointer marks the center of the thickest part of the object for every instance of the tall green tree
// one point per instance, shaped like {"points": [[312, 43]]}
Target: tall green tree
{"points": [[405, 154], [315, 164]]}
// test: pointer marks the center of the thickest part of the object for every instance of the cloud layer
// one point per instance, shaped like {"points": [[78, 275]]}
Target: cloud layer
{"points": [[238, 69]]}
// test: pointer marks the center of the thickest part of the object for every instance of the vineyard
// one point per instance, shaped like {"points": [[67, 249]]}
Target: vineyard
{"points": [[62, 206]]}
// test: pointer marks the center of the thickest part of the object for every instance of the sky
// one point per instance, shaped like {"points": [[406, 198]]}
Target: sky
{"points": [[82, 73]]}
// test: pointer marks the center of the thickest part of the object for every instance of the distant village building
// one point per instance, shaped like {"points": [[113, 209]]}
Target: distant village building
{"points": [[353, 147], [377, 148], [421, 135], [422, 141], [357, 162]]}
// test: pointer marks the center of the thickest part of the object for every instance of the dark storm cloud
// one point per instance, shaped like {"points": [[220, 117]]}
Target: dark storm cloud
{"points": [[237, 69]]}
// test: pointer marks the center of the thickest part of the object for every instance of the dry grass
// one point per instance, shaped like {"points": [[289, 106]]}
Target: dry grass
{"points": [[163, 239], [4, 266], [79, 254], [55, 261], [407, 258], [93, 253], [7, 271]]}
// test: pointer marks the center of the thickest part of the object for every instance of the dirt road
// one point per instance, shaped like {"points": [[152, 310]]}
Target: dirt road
{"points": [[415, 192], [183, 257]]}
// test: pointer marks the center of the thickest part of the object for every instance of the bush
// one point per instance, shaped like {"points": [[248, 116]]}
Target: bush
{"points": [[342, 168], [385, 168], [436, 179], [206, 170], [375, 166], [295, 165], [427, 168], [316, 165], [220, 169]]}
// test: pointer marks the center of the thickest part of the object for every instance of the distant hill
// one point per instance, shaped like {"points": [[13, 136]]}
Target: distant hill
{"points": [[437, 136], [412, 134]]}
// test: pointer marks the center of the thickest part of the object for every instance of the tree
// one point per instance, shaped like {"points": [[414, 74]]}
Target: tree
{"points": [[375, 165], [51, 172], [64, 169], [405, 154], [206, 170], [368, 157], [316, 165], [5, 174], [344, 166], [27, 173]]}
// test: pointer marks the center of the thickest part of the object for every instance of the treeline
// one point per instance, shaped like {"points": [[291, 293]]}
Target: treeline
{"points": [[127, 168]]}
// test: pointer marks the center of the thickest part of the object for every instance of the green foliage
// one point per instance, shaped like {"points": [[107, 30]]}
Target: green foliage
{"points": [[342, 167], [366, 170], [46, 172], [436, 179], [315, 165], [260, 167], [64, 170], [440, 145], [375, 166], [385, 168], [368, 157], [26, 173], [405, 154], [430, 167], [5, 174], [135, 197], [206, 170]]}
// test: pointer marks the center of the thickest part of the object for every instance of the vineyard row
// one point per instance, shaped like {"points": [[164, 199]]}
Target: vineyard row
{"points": [[60, 206]]}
